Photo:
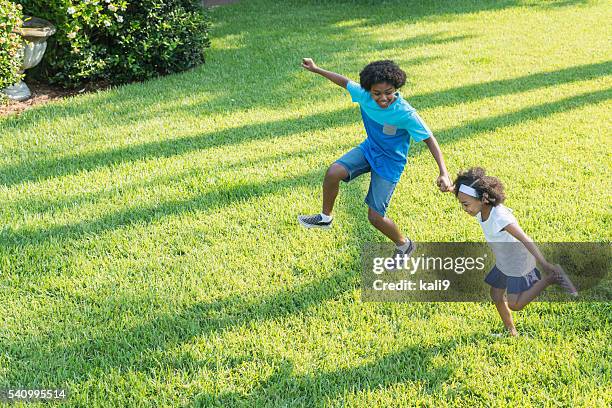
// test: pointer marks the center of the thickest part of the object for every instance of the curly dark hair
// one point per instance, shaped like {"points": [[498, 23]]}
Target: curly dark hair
{"points": [[487, 187], [382, 71]]}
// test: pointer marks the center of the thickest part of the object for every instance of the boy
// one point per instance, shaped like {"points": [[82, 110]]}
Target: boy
{"points": [[389, 123]]}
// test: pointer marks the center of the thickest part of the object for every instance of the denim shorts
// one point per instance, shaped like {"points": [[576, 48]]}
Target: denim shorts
{"points": [[512, 284], [380, 191]]}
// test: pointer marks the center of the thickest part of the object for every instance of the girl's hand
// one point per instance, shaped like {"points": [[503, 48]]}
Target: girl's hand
{"points": [[444, 183], [309, 64]]}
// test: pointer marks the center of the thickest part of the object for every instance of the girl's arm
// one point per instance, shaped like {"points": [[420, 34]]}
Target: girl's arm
{"points": [[517, 232], [443, 180], [332, 76]]}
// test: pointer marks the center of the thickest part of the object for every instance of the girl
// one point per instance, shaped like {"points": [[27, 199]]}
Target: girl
{"points": [[515, 253]]}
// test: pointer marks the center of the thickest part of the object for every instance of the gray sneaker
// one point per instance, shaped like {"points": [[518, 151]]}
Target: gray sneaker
{"points": [[403, 254], [314, 221], [411, 248]]}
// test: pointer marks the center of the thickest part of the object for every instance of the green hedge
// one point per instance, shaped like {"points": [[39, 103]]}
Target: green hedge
{"points": [[10, 43], [120, 40]]}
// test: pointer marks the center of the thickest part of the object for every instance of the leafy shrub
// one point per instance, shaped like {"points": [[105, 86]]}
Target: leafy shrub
{"points": [[120, 40], [10, 43]]}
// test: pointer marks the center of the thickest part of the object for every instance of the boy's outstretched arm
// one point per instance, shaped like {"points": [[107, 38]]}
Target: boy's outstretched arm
{"points": [[443, 180], [337, 79]]}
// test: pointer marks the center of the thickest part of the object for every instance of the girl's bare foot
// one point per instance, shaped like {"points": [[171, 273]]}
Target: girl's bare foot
{"points": [[564, 281]]}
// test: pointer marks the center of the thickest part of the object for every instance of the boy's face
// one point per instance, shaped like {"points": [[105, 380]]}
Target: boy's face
{"points": [[469, 204], [383, 93]]}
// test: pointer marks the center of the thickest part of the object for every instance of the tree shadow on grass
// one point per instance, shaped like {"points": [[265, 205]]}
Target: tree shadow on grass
{"points": [[209, 201], [539, 80], [525, 114], [37, 170], [555, 4], [285, 388], [130, 348], [52, 205]]}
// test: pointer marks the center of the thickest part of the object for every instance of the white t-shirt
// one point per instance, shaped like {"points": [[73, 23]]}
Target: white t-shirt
{"points": [[511, 256]]}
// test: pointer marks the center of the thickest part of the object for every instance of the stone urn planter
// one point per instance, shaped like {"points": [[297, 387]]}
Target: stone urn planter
{"points": [[35, 32]]}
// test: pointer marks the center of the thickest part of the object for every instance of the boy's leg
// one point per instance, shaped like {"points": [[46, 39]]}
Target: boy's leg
{"points": [[378, 198], [386, 226], [498, 296], [348, 167], [331, 184], [517, 301]]}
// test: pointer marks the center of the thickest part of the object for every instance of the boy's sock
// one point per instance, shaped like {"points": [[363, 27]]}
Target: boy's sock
{"points": [[326, 218]]}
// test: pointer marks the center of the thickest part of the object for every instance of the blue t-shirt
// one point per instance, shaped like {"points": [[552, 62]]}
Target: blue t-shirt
{"points": [[388, 132]]}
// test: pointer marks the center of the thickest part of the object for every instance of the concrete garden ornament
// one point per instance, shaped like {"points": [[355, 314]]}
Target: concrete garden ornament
{"points": [[34, 32]]}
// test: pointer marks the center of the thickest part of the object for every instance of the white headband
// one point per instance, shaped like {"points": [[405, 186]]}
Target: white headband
{"points": [[468, 190]]}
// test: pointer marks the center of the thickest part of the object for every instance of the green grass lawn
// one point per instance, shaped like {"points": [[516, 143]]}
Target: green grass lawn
{"points": [[149, 250]]}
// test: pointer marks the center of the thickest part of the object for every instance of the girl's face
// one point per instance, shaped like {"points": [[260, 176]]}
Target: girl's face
{"points": [[383, 93], [469, 204]]}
